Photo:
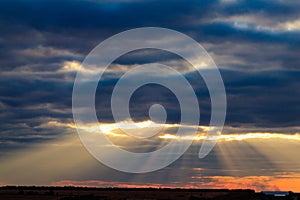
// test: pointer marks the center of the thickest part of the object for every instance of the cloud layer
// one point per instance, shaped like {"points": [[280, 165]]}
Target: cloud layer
{"points": [[256, 45]]}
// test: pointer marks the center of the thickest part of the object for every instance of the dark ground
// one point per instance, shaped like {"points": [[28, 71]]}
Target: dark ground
{"points": [[84, 193]]}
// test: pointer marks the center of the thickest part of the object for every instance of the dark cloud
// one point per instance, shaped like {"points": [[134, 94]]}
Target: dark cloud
{"points": [[264, 99], [77, 26], [275, 9], [260, 67], [54, 15]]}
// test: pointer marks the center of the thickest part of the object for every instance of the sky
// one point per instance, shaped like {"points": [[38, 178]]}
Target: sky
{"points": [[255, 44]]}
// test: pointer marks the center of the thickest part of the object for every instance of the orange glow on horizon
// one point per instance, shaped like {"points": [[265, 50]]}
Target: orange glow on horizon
{"points": [[257, 183]]}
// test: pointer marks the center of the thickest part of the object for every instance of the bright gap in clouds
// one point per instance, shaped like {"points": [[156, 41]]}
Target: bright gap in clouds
{"points": [[113, 129]]}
